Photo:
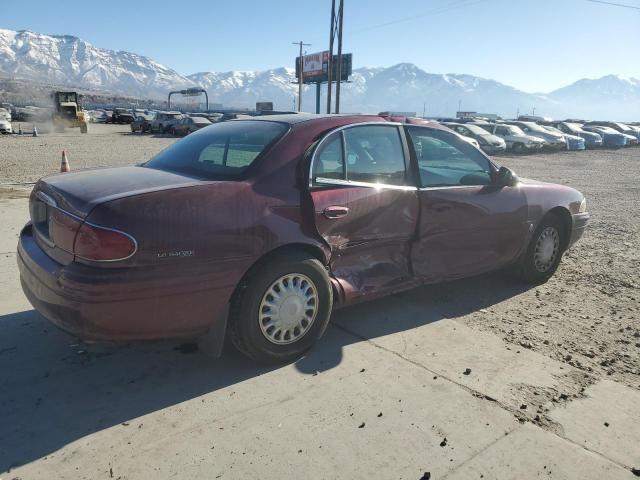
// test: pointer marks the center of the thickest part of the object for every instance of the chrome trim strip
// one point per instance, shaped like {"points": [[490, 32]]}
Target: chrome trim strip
{"points": [[100, 227], [340, 129], [320, 181], [46, 199]]}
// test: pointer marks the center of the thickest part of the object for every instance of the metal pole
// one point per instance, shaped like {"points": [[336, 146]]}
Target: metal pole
{"points": [[330, 59], [300, 65], [318, 96], [339, 72]]}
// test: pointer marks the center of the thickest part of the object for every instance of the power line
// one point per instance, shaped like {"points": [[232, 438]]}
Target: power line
{"points": [[633, 7], [453, 6]]}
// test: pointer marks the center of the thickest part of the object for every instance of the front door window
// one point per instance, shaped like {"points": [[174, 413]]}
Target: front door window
{"points": [[445, 160]]}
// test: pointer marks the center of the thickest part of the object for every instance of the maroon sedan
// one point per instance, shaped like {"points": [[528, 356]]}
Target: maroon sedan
{"points": [[259, 228]]}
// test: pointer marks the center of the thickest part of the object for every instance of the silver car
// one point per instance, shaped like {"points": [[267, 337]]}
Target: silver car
{"points": [[555, 141], [517, 141]]}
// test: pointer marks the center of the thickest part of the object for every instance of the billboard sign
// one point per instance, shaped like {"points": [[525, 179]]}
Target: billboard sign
{"points": [[315, 67], [312, 65], [264, 106]]}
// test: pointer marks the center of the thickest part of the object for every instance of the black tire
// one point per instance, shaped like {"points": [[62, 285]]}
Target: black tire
{"points": [[245, 330], [172, 131], [530, 269], [517, 148]]}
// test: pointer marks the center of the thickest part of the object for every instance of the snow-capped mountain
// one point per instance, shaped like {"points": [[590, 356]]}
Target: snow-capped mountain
{"points": [[67, 60], [612, 96]]}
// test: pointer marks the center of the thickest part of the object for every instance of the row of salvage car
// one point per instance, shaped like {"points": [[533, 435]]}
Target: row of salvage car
{"points": [[529, 135]]}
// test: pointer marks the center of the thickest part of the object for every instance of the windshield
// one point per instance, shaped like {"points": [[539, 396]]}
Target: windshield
{"points": [[623, 127], [513, 130], [477, 130], [222, 151], [535, 127], [573, 127], [552, 130]]}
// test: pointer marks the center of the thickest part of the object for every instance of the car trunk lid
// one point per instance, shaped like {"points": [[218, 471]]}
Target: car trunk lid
{"points": [[59, 204], [79, 192]]}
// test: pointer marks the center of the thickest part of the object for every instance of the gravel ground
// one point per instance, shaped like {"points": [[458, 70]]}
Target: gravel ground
{"points": [[586, 316], [25, 158]]}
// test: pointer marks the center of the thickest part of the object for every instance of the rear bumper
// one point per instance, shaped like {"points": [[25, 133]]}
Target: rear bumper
{"points": [[579, 222], [109, 304]]}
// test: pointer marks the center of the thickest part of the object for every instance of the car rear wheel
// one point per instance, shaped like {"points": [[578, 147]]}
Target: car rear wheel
{"points": [[517, 148], [544, 252], [282, 309]]}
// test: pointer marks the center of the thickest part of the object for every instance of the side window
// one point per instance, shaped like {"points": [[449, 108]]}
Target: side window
{"points": [[375, 155], [329, 161], [445, 160], [501, 131]]}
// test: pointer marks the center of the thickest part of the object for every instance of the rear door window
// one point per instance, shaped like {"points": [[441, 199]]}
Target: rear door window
{"points": [[374, 155], [363, 154]]}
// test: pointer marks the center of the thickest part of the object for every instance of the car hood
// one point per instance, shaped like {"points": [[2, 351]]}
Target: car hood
{"points": [[79, 192]]}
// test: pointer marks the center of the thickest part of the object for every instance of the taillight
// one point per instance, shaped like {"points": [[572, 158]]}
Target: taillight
{"points": [[63, 229], [102, 244]]}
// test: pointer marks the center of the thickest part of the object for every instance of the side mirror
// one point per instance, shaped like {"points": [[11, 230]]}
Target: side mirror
{"points": [[506, 177]]}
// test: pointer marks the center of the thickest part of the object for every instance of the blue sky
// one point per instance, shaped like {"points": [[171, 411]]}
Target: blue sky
{"points": [[533, 45]]}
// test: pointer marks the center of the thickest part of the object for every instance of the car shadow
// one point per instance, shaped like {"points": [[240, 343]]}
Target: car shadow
{"points": [[56, 390]]}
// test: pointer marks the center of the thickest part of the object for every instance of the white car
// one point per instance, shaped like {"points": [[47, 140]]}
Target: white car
{"points": [[5, 127]]}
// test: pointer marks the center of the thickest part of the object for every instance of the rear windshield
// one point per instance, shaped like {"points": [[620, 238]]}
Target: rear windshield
{"points": [[221, 151]]}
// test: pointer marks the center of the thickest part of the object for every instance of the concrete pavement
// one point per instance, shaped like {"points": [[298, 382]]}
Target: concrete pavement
{"points": [[386, 394]]}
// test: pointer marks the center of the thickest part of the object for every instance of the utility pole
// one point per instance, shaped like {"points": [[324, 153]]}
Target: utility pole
{"points": [[534, 111], [339, 72], [300, 66], [330, 59], [424, 109]]}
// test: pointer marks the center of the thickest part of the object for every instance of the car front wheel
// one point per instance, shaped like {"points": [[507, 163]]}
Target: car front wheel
{"points": [[544, 252], [282, 309]]}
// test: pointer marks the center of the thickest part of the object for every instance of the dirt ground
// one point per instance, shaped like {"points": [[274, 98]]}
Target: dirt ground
{"points": [[555, 357]]}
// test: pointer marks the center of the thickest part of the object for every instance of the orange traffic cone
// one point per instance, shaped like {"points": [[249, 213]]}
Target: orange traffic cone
{"points": [[64, 164]]}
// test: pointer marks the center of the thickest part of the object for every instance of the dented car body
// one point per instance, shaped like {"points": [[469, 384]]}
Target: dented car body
{"points": [[170, 248]]}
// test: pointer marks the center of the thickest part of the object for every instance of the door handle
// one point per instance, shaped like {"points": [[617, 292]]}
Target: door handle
{"points": [[335, 211]]}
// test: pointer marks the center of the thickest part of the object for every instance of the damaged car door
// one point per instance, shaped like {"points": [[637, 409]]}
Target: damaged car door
{"points": [[365, 207]]}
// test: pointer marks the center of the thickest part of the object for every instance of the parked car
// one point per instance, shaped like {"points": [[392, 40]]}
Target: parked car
{"points": [[489, 143], [121, 116], [573, 142], [142, 123], [619, 127], [591, 139], [554, 141], [5, 127], [259, 228], [610, 137], [164, 120], [5, 114], [516, 140], [188, 125], [533, 118]]}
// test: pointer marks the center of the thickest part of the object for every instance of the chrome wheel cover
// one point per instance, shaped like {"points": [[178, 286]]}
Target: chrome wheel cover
{"points": [[546, 251], [288, 309]]}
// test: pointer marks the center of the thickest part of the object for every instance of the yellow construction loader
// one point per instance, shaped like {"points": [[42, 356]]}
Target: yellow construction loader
{"points": [[68, 112]]}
